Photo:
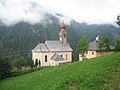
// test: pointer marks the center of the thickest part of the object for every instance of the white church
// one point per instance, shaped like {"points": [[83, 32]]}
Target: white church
{"points": [[54, 52]]}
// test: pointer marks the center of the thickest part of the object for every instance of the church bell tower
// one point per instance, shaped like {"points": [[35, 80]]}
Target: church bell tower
{"points": [[63, 34]]}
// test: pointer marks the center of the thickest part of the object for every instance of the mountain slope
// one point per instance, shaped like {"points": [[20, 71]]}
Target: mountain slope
{"points": [[24, 36], [97, 74]]}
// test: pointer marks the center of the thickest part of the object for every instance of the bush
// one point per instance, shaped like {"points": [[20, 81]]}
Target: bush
{"points": [[21, 72], [21, 62]]}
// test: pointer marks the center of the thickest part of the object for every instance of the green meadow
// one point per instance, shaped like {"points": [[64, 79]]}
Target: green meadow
{"points": [[101, 73]]}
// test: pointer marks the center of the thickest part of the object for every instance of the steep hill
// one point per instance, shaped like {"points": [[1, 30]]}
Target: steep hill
{"points": [[94, 74]]}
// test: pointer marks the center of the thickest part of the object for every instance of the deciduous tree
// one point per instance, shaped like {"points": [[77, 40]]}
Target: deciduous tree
{"points": [[83, 46], [104, 44], [117, 45], [19, 62]]}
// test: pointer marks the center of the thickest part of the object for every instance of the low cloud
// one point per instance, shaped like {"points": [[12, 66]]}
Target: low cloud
{"points": [[33, 11], [12, 12]]}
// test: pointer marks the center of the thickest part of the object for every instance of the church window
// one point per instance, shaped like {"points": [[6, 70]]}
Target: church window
{"points": [[61, 55], [66, 56], [92, 53], [45, 58]]}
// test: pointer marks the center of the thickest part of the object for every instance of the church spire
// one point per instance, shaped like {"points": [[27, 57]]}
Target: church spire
{"points": [[63, 34]]}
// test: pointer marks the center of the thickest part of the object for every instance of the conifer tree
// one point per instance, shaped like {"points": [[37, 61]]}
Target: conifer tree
{"points": [[39, 63], [36, 62]]}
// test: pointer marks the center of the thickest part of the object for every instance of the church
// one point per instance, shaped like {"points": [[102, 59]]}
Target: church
{"points": [[54, 52]]}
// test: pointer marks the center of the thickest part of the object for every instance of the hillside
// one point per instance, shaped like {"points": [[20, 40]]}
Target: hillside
{"points": [[94, 74]]}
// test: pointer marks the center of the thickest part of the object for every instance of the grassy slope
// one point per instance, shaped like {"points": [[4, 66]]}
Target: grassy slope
{"points": [[99, 73]]}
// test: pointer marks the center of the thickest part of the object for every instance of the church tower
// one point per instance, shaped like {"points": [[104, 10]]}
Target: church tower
{"points": [[63, 34]]}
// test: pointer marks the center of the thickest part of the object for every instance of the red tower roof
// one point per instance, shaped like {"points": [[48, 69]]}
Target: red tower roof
{"points": [[62, 25]]}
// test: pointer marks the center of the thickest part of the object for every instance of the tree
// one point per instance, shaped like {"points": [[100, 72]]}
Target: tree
{"points": [[104, 45], [117, 45], [101, 46], [39, 63], [83, 46], [19, 62], [5, 67], [36, 62], [28, 61]]}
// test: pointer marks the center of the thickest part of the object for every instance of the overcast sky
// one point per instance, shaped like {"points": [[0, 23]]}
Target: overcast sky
{"points": [[90, 11]]}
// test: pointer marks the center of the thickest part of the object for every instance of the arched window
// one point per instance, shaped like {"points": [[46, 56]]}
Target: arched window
{"points": [[92, 53], [66, 57], [45, 58]]}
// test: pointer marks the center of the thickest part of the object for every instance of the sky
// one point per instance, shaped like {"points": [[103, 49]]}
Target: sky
{"points": [[33, 11]]}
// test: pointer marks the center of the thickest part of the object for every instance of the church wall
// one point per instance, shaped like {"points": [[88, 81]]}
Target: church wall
{"points": [[41, 56], [44, 63], [36, 55]]}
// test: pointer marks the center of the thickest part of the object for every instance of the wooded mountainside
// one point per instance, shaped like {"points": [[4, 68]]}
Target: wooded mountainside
{"points": [[24, 36]]}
